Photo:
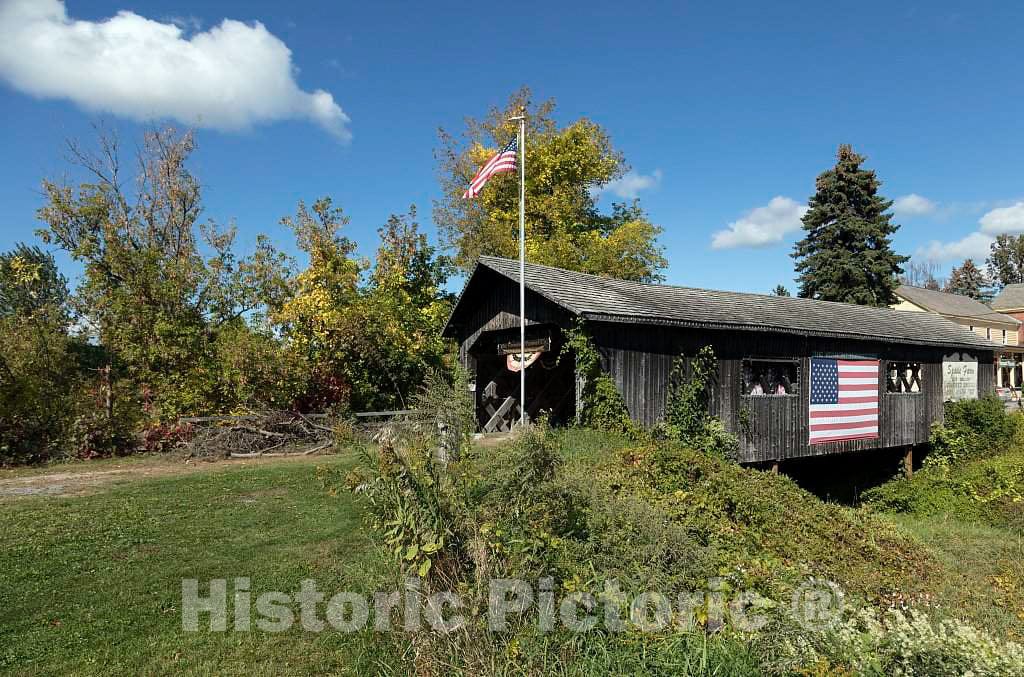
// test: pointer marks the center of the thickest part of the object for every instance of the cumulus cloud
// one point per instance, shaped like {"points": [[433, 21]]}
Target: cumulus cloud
{"points": [[229, 77], [1004, 220], [761, 226], [913, 205], [974, 246], [629, 186]]}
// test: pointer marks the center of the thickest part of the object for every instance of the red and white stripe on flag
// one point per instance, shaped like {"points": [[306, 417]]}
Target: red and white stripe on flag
{"points": [[504, 161], [843, 400]]}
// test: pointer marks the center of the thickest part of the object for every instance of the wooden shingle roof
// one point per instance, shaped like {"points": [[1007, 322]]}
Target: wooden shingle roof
{"points": [[1010, 298], [611, 300], [952, 305]]}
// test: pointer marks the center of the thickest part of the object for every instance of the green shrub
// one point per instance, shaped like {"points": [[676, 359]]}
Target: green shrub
{"points": [[687, 409], [410, 505], [50, 401], [602, 406], [904, 643], [989, 490], [446, 411], [974, 470], [654, 516], [973, 428], [604, 409]]}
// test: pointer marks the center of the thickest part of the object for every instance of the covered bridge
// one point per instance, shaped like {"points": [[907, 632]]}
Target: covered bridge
{"points": [[772, 353]]}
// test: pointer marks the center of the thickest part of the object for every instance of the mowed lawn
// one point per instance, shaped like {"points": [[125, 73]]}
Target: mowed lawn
{"points": [[92, 584]]}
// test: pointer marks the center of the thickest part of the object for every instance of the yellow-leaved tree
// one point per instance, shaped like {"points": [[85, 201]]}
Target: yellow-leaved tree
{"points": [[566, 167], [369, 337]]}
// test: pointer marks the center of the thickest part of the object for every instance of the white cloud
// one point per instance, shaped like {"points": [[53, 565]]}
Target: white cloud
{"points": [[977, 245], [974, 246], [629, 186], [761, 226], [1004, 220], [913, 205], [229, 77]]}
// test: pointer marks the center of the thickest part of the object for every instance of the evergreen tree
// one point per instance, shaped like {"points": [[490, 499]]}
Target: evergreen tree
{"points": [[780, 291], [967, 280], [846, 254]]}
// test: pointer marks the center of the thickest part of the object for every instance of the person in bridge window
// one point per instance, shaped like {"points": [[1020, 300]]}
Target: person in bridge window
{"points": [[777, 381]]}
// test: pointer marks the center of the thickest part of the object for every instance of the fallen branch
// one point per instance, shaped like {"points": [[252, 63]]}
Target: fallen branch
{"points": [[314, 425], [259, 434], [319, 447]]}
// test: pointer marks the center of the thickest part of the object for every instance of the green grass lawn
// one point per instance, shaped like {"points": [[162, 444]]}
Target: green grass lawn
{"points": [[983, 579], [92, 584]]}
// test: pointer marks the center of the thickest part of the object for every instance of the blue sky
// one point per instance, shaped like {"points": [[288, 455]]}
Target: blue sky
{"points": [[726, 112]]}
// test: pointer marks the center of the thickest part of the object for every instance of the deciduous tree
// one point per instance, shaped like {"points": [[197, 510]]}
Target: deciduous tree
{"points": [[158, 283], [922, 274], [370, 336], [567, 166], [30, 282], [1006, 260]]}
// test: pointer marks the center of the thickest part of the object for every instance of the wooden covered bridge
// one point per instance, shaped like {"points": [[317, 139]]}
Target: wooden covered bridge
{"points": [[796, 377]]}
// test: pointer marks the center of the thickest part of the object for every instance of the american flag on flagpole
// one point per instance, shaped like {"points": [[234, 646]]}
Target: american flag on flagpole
{"points": [[504, 161], [844, 400]]}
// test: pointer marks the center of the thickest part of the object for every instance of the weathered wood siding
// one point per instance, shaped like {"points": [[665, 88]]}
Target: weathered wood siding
{"points": [[640, 359], [495, 306]]}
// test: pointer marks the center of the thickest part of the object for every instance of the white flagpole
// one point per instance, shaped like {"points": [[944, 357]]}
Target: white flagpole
{"points": [[522, 268]]}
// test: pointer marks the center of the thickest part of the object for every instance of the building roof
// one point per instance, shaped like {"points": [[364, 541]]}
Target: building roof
{"points": [[952, 305], [612, 300], [1010, 298]]}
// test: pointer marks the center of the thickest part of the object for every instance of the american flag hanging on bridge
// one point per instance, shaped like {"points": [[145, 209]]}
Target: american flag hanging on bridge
{"points": [[504, 161], [844, 400]]}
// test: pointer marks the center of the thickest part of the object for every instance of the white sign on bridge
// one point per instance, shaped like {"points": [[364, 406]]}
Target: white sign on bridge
{"points": [[959, 380]]}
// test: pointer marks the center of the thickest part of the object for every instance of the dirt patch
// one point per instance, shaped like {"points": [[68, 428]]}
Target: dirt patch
{"points": [[491, 440], [80, 480]]}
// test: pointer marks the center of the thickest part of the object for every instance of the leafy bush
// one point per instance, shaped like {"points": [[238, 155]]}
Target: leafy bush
{"points": [[604, 409], [687, 409], [602, 405], [973, 428], [658, 516], [974, 469], [413, 482], [91, 435], [47, 406], [159, 439], [989, 490], [446, 411], [897, 643], [410, 506], [252, 368]]}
